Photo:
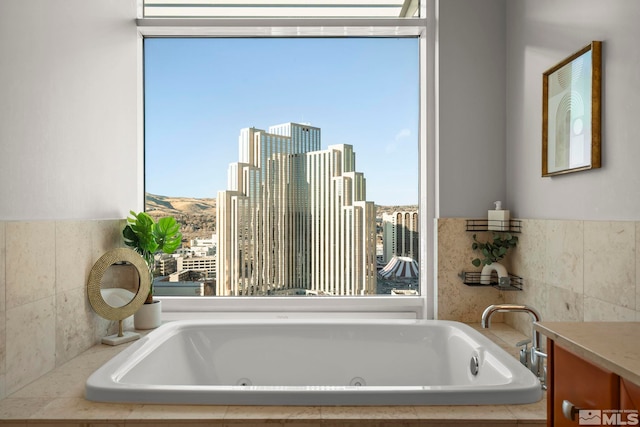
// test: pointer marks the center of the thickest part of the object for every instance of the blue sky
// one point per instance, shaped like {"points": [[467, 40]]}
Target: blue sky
{"points": [[199, 93]]}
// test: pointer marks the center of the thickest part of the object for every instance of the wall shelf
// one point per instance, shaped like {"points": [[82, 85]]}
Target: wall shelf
{"points": [[472, 278], [511, 226]]}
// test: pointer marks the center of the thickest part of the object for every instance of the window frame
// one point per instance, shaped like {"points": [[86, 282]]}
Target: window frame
{"points": [[380, 306]]}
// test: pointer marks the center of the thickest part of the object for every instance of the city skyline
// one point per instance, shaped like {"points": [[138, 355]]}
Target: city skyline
{"points": [[295, 218], [199, 92]]}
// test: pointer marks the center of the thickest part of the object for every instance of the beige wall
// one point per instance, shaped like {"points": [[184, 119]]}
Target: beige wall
{"points": [[457, 301], [578, 270], [571, 270], [45, 316]]}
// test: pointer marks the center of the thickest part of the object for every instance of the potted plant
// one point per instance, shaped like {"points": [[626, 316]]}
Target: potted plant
{"points": [[148, 237], [493, 251]]}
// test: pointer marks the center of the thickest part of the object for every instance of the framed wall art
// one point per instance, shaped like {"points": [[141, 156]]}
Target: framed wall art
{"points": [[571, 106]]}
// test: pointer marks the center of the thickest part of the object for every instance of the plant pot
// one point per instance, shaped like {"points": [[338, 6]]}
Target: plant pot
{"points": [[149, 316], [485, 275]]}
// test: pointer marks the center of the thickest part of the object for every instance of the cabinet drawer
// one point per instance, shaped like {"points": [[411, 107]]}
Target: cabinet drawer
{"points": [[581, 383], [629, 395]]}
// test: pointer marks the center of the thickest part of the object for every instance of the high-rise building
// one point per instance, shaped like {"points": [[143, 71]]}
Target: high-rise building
{"points": [[204, 264], [165, 264], [294, 219], [401, 235]]}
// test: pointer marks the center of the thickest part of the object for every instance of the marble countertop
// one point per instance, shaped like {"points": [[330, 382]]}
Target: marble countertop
{"points": [[614, 346], [58, 397]]}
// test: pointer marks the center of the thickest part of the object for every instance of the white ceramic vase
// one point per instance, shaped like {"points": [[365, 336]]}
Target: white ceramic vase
{"points": [[149, 316], [485, 274]]}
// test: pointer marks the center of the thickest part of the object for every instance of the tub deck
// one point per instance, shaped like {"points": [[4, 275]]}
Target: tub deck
{"points": [[57, 399]]}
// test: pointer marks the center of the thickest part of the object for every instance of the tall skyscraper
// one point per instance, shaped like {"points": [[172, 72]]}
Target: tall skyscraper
{"points": [[401, 236], [294, 219]]}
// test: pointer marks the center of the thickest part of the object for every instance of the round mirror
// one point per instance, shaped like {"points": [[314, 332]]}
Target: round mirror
{"points": [[117, 303], [119, 284]]}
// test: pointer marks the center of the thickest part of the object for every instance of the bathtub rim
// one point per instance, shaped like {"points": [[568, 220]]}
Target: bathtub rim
{"points": [[102, 385]]}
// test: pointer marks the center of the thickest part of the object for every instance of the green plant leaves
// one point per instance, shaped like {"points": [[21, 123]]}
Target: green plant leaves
{"points": [[140, 233], [494, 249], [166, 233], [147, 237]]}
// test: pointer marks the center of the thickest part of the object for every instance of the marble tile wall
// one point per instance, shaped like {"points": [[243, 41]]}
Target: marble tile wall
{"points": [[578, 270], [572, 271], [3, 310], [457, 301], [45, 316]]}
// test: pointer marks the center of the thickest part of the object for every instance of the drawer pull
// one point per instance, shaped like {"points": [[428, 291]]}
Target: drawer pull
{"points": [[569, 410]]}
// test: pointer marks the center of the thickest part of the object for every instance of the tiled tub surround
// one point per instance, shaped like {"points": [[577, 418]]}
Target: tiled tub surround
{"points": [[45, 316], [57, 399], [457, 301], [46, 319], [572, 271]]}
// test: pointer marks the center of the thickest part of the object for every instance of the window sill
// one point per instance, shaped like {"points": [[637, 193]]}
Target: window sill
{"points": [[400, 307]]}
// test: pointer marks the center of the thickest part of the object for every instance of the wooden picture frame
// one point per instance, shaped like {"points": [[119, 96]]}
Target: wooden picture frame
{"points": [[571, 110]]}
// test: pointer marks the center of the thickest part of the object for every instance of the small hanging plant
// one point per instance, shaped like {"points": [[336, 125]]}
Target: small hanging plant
{"points": [[494, 250], [148, 237]]}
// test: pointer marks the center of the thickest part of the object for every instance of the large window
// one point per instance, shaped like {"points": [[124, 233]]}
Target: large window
{"points": [[292, 163]]}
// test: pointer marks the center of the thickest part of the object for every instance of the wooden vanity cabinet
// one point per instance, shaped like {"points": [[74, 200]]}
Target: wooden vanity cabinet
{"points": [[629, 395], [585, 385]]}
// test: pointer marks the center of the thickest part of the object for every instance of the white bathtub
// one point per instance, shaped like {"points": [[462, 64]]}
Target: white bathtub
{"points": [[314, 362]]}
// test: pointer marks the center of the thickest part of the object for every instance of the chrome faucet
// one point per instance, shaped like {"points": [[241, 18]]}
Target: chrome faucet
{"points": [[533, 357]]}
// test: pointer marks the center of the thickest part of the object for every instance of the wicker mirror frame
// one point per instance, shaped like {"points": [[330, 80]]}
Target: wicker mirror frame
{"points": [[95, 279]]}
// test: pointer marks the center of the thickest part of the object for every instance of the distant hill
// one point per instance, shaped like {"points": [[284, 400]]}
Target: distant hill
{"points": [[174, 205], [198, 216]]}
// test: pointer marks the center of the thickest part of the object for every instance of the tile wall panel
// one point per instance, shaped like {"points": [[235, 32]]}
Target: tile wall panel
{"points": [[457, 301], [74, 257], [45, 315], [30, 341], [3, 344], [3, 254], [589, 271], [29, 262], [572, 271], [610, 262], [563, 255]]}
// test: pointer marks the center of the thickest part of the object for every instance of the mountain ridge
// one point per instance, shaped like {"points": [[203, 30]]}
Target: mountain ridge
{"points": [[197, 216]]}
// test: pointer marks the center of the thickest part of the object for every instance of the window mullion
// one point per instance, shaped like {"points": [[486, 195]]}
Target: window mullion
{"points": [[159, 27]]}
